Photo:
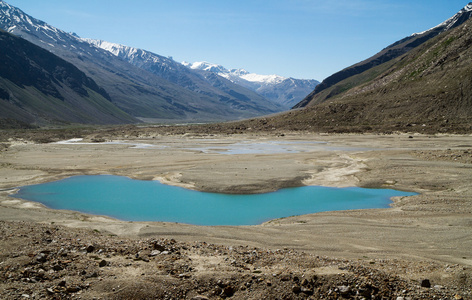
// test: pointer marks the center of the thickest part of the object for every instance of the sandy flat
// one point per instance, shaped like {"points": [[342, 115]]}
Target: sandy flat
{"points": [[435, 225]]}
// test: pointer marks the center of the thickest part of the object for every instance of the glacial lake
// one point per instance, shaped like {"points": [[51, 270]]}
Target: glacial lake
{"points": [[135, 200]]}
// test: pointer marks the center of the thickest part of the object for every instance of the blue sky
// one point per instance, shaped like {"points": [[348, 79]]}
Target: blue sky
{"points": [[293, 38]]}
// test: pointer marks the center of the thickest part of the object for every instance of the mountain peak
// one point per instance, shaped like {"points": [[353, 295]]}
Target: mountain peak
{"points": [[279, 89], [468, 7], [233, 73], [206, 66]]}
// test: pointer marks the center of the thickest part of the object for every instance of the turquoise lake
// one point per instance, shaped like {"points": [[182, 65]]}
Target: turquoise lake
{"points": [[135, 200]]}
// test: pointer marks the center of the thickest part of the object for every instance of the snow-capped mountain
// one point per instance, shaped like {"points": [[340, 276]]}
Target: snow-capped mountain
{"points": [[282, 90], [199, 81], [137, 57], [236, 74], [15, 21], [152, 90]]}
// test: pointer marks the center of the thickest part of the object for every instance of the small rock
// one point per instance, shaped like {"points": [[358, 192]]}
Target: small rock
{"points": [[344, 290], [73, 289], [57, 268], [458, 297], [102, 263], [90, 248], [159, 247], [306, 291], [425, 283], [285, 277], [220, 283], [296, 289], [228, 291], [41, 257], [155, 253]]}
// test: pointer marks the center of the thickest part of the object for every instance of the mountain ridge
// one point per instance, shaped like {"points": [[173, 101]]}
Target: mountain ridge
{"points": [[204, 83], [328, 89], [134, 90], [285, 91]]}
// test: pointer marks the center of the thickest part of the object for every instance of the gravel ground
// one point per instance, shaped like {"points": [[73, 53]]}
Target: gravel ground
{"points": [[41, 261]]}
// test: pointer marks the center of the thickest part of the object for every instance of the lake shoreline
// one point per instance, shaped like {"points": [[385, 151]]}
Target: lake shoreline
{"points": [[147, 201]]}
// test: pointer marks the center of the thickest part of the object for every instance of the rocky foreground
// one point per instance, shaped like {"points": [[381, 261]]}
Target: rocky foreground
{"points": [[40, 261]]}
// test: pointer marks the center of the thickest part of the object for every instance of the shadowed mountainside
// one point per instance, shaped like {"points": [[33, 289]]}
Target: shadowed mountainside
{"points": [[39, 87]]}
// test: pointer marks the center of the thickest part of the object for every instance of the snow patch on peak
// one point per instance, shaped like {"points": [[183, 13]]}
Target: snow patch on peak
{"points": [[239, 72], [206, 66], [271, 79], [116, 49], [235, 75], [468, 7], [284, 91]]}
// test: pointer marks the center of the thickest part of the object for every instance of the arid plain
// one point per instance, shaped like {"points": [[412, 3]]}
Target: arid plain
{"points": [[436, 225]]}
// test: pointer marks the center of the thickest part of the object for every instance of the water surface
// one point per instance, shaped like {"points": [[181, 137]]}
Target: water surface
{"points": [[135, 200], [232, 148]]}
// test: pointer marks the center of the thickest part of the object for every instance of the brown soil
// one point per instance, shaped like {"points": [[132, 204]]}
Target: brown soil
{"points": [[46, 261]]}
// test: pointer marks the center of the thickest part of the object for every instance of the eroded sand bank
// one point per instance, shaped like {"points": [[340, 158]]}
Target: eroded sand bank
{"points": [[435, 225]]}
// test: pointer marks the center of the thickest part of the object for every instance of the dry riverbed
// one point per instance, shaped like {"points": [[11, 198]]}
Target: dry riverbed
{"points": [[334, 254]]}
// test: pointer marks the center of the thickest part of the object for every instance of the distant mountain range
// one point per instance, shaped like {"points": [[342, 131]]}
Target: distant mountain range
{"points": [[141, 84], [282, 90], [203, 83]]}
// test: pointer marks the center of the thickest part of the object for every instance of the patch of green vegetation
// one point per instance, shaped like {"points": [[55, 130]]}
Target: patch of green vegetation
{"points": [[449, 41]]}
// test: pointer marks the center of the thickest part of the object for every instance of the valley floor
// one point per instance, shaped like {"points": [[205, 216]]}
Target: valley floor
{"points": [[424, 236]]}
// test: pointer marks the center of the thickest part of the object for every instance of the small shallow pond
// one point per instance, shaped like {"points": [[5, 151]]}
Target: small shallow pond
{"points": [[231, 148], [135, 200]]}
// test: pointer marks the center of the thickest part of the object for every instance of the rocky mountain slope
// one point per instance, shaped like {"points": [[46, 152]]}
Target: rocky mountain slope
{"points": [[282, 90], [136, 91], [375, 65], [41, 88]]}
